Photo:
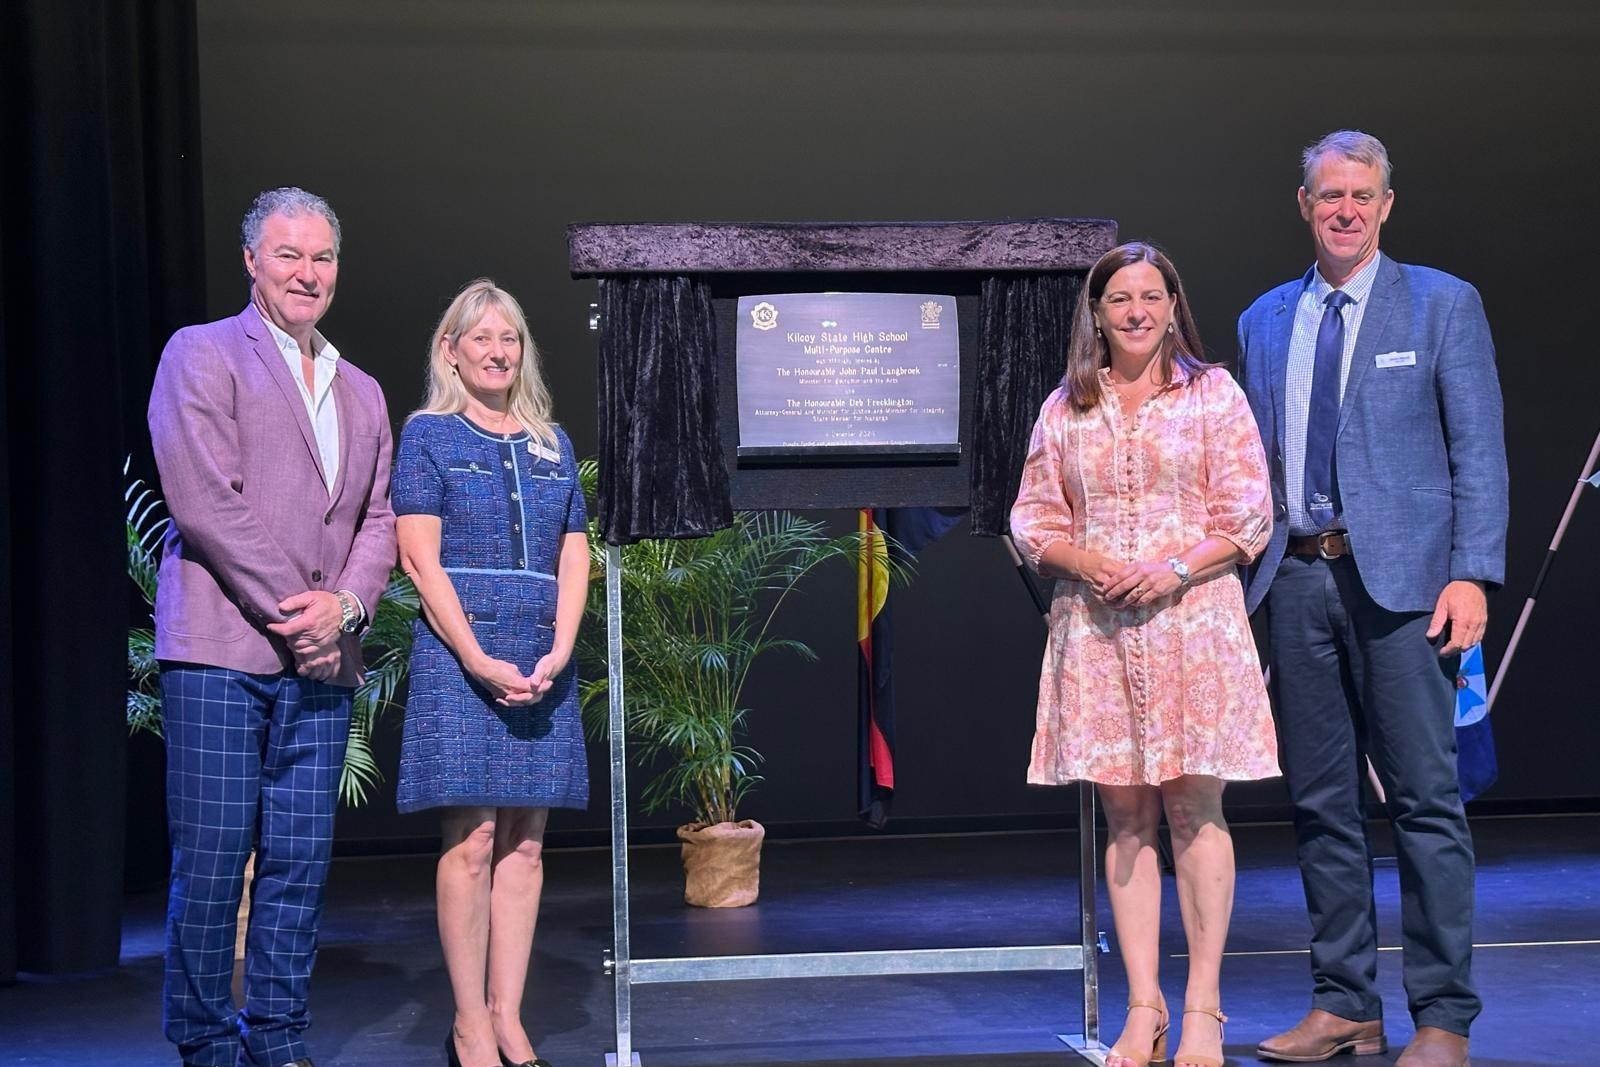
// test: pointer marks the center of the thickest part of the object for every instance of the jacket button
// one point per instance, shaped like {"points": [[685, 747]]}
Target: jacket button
{"points": [[316, 576], [471, 617], [327, 520], [1282, 511]]}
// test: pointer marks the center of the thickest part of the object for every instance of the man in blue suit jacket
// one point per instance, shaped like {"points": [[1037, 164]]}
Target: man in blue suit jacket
{"points": [[1375, 388]]}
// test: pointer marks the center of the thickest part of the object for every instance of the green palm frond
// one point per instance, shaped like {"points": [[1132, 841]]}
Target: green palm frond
{"points": [[144, 696], [696, 615], [360, 775], [386, 648], [146, 527]]}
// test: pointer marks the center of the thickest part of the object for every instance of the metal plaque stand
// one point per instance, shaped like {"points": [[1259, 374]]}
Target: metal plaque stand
{"points": [[628, 972], [1087, 1044]]}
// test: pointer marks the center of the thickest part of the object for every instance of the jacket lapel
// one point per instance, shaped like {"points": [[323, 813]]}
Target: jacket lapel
{"points": [[1380, 306], [267, 349], [1278, 349]]}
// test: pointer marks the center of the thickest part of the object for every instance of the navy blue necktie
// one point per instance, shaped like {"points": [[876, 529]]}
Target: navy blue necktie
{"points": [[1322, 418]]}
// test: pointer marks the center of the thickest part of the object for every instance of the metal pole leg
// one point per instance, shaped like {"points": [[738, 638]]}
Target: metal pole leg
{"points": [[619, 962], [1087, 1044]]}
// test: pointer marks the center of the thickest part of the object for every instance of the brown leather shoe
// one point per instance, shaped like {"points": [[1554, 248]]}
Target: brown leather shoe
{"points": [[1322, 1035], [1433, 1047]]}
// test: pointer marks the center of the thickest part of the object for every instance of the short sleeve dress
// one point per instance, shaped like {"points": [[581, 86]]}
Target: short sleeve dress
{"points": [[504, 501], [1142, 694]]}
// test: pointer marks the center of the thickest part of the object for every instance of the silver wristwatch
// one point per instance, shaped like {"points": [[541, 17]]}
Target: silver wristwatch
{"points": [[349, 614], [1180, 568]]}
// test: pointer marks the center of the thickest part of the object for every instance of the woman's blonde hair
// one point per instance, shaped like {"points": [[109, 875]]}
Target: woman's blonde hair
{"points": [[530, 399]]}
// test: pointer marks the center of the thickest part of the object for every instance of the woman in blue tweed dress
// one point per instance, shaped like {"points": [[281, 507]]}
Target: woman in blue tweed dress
{"points": [[490, 521]]}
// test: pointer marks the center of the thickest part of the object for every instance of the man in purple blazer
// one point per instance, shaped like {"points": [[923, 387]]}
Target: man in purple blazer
{"points": [[274, 459]]}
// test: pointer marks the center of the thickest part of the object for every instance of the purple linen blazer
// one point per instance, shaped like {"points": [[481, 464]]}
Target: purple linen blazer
{"points": [[253, 522]]}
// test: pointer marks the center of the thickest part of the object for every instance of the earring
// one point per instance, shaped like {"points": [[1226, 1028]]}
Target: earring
{"points": [[1169, 328], [453, 372]]}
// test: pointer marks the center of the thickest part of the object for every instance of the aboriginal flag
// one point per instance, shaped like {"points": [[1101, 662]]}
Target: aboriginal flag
{"points": [[909, 531]]}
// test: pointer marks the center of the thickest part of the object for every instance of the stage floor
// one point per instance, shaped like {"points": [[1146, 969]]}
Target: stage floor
{"points": [[380, 998]]}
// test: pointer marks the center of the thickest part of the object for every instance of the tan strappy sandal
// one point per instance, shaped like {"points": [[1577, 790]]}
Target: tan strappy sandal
{"points": [[1193, 1060], [1158, 1045]]}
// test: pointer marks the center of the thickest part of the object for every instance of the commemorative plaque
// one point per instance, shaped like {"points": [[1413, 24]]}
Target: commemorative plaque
{"points": [[848, 374]]}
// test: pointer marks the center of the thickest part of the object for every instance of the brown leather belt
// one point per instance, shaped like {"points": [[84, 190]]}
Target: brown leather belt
{"points": [[1329, 544]]}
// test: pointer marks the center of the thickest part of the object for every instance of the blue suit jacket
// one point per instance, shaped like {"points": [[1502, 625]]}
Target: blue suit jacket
{"points": [[1420, 454]]}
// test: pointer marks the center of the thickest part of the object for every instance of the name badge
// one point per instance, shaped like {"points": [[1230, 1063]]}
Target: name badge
{"points": [[1397, 359], [542, 452]]}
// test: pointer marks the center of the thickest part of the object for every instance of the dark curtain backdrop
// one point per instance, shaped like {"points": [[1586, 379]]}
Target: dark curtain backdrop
{"points": [[8, 749], [1022, 341], [661, 466], [101, 253]]}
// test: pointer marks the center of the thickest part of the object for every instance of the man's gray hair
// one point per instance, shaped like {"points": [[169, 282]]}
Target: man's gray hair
{"points": [[290, 200], [1348, 144]]}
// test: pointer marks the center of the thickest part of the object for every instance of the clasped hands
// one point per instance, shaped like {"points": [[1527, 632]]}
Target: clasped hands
{"points": [[312, 632], [1128, 584], [508, 685]]}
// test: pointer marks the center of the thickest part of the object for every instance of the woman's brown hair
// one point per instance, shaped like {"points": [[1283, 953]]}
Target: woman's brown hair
{"points": [[1088, 350]]}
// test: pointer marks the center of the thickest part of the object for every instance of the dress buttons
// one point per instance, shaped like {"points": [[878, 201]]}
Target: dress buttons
{"points": [[519, 563], [316, 576], [471, 617], [472, 466], [507, 462], [516, 496], [516, 527]]}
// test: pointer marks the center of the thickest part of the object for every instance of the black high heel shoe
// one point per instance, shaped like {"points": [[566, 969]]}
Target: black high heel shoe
{"points": [[537, 1061], [451, 1058]]}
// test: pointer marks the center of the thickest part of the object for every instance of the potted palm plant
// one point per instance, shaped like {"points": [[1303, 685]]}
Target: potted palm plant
{"points": [[696, 615]]}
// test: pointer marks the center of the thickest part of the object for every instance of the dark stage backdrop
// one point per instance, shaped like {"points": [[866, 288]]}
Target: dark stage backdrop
{"points": [[458, 139], [101, 255]]}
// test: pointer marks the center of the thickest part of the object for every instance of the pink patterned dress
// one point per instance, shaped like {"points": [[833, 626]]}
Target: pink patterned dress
{"points": [[1141, 695]]}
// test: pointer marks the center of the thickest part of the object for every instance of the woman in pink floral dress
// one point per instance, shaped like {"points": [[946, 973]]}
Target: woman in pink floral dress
{"points": [[1145, 487]]}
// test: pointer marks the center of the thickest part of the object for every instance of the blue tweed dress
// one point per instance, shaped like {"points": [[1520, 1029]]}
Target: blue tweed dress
{"points": [[504, 502]]}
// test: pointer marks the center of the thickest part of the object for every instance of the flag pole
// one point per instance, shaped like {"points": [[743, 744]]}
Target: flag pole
{"points": [[1039, 603], [1544, 570]]}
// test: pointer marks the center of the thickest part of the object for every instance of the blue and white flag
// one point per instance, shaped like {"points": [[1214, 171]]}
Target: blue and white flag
{"points": [[1472, 695], [1476, 766]]}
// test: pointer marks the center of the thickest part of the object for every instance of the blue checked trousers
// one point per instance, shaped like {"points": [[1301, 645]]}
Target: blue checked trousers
{"points": [[251, 759]]}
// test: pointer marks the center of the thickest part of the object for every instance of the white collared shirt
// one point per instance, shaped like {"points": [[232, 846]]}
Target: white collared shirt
{"points": [[1297, 383], [320, 405]]}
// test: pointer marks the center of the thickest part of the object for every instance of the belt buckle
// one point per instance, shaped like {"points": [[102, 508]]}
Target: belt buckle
{"points": [[1322, 544]]}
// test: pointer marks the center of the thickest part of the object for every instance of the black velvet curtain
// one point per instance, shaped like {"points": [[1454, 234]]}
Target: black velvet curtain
{"points": [[662, 471], [100, 258], [1022, 353]]}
